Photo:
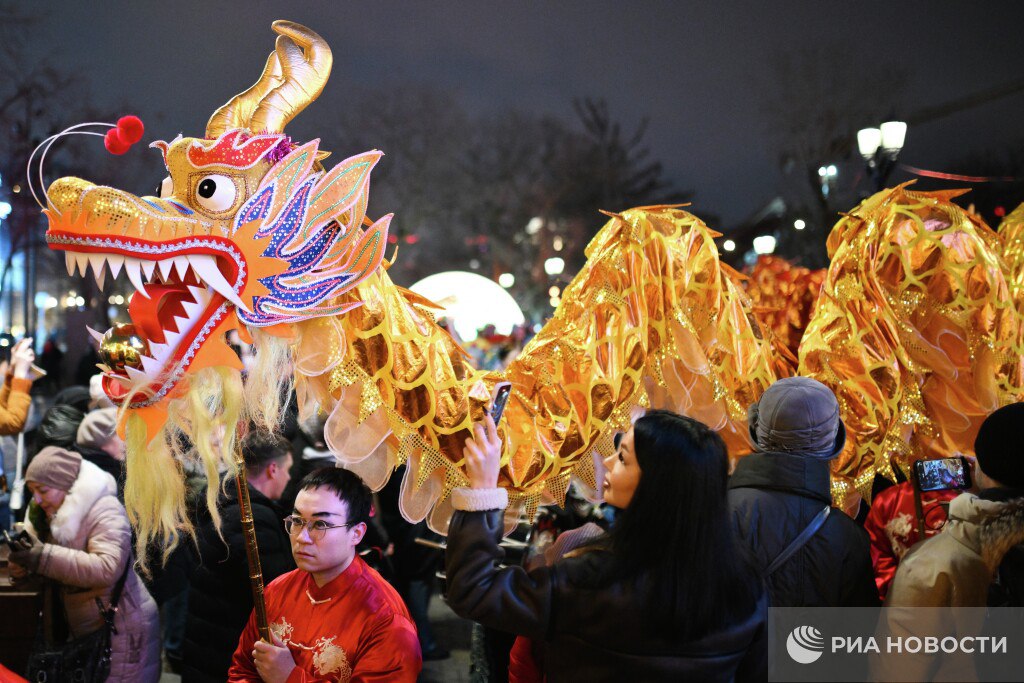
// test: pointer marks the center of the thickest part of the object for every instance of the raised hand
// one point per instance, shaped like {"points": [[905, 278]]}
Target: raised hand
{"points": [[22, 357], [483, 455]]}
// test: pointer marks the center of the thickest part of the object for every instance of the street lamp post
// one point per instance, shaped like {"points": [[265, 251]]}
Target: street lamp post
{"points": [[828, 176], [880, 147]]}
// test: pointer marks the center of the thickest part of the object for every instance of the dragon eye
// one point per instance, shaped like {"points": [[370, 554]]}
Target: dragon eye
{"points": [[165, 188], [215, 193]]}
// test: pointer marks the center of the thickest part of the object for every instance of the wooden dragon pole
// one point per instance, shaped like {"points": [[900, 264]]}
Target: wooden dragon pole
{"points": [[252, 550]]}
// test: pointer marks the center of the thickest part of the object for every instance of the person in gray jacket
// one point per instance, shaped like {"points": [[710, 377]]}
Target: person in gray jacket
{"points": [[82, 541]]}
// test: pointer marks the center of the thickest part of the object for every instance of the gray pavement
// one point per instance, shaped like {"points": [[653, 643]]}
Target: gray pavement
{"points": [[453, 633]]}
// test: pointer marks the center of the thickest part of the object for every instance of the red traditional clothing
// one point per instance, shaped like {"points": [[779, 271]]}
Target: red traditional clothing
{"points": [[892, 526], [354, 628]]}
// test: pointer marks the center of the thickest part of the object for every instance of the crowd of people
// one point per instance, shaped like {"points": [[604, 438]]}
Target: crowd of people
{"points": [[71, 539], [677, 588]]}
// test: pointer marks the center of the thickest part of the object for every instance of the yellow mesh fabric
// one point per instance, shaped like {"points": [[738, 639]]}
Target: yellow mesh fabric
{"points": [[783, 296], [914, 330], [652, 319], [1011, 232]]}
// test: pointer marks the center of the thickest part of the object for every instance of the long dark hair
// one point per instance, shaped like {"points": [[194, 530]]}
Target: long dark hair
{"points": [[676, 532]]}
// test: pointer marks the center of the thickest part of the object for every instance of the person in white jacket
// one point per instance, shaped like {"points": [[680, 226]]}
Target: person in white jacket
{"points": [[82, 541]]}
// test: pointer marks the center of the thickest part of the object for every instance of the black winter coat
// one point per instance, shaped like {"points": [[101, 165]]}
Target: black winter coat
{"points": [[220, 599], [590, 630], [772, 498], [107, 463]]}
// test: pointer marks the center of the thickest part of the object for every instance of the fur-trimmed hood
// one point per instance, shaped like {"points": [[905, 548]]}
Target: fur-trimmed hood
{"points": [[91, 485], [988, 527]]}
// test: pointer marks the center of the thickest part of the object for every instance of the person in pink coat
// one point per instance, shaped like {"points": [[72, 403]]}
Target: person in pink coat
{"points": [[82, 542]]}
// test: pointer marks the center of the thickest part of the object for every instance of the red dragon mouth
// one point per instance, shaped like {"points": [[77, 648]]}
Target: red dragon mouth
{"points": [[182, 292]]}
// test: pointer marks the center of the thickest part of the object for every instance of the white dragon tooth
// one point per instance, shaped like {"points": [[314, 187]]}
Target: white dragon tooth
{"points": [[147, 268], [159, 351], [171, 339], [166, 268], [97, 261], [133, 268], [98, 336], [201, 295], [99, 271], [191, 310], [137, 377], [82, 260], [69, 261], [104, 368], [151, 365], [206, 268], [181, 264], [115, 261], [183, 324]]}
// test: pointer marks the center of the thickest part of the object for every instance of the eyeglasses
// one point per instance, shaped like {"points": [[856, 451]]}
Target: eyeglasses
{"points": [[294, 525]]}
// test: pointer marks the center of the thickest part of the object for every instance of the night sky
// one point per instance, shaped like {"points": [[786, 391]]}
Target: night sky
{"points": [[697, 70]]}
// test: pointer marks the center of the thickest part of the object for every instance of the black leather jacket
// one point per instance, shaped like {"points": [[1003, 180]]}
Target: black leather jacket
{"points": [[589, 633]]}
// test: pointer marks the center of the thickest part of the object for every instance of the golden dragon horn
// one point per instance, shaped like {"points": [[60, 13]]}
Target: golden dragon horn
{"points": [[237, 112], [295, 75], [306, 65]]}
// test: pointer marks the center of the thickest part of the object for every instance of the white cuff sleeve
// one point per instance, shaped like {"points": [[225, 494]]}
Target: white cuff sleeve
{"points": [[475, 500]]}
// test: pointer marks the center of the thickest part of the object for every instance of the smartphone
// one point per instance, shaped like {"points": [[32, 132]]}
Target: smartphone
{"points": [[20, 541], [942, 475], [502, 390]]}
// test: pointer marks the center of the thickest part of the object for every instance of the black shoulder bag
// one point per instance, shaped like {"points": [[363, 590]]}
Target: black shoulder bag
{"points": [[81, 660]]}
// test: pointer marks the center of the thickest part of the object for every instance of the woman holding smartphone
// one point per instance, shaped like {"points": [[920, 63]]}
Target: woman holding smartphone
{"points": [[664, 596], [80, 541], [14, 395]]}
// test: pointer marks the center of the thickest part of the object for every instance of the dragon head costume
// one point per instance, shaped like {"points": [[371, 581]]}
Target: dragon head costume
{"points": [[251, 233]]}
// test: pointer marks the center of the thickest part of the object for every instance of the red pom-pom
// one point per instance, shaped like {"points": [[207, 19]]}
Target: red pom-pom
{"points": [[130, 128], [114, 143]]}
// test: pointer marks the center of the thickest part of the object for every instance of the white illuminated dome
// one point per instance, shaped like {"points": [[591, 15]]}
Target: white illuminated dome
{"points": [[471, 301]]}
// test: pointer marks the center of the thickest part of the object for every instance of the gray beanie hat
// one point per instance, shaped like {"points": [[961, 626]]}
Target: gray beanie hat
{"points": [[798, 415], [97, 428], [54, 467]]}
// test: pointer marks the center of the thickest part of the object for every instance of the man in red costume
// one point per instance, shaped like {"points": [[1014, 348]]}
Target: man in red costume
{"points": [[334, 618]]}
